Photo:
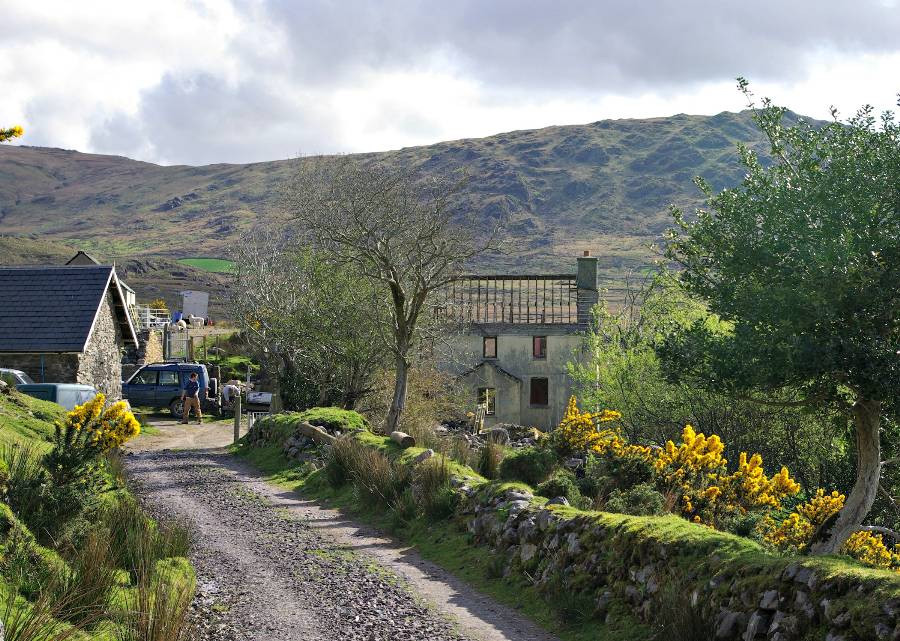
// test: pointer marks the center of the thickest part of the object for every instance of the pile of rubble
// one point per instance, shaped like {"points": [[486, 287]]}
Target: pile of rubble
{"points": [[506, 434]]}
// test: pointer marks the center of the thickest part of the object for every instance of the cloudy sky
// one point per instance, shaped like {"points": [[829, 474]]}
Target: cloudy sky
{"points": [[202, 81]]}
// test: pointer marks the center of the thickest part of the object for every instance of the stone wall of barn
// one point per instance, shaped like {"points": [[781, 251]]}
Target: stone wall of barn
{"points": [[101, 363], [56, 368]]}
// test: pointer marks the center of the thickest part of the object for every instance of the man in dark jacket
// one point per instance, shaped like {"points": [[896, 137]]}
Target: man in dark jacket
{"points": [[190, 398]]}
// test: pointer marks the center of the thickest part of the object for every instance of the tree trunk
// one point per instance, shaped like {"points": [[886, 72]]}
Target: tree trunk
{"points": [[867, 416], [398, 404]]}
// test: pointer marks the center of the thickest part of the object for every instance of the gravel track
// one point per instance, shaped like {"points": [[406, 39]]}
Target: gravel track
{"points": [[272, 566]]}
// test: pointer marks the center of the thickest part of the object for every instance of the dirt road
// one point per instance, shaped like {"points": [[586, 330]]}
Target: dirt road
{"points": [[273, 566]]}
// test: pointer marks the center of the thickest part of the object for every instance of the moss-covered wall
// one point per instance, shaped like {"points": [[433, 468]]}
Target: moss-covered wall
{"points": [[737, 588]]}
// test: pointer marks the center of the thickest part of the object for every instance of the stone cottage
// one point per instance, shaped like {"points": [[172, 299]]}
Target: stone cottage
{"points": [[65, 324], [520, 333]]}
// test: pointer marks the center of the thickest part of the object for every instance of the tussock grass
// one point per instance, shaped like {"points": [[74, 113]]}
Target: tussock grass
{"points": [[83, 588], [431, 488], [489, 459], [157, 609]]}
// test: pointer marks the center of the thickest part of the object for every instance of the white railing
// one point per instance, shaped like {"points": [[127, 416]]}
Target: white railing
{"points": [[149, 318], [252, 417]]}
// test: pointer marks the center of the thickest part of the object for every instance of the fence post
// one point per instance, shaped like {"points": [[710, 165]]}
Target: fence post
{"points": [[237, 417]]}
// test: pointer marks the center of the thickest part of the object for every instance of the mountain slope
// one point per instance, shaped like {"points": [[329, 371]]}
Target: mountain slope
{"points": [[604, 186]]}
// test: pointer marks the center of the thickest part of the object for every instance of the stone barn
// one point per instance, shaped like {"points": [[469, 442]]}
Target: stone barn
{"points": [[65, 324]]}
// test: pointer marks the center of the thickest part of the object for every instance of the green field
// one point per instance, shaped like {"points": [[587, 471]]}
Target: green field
{"points": [[216, 265]]}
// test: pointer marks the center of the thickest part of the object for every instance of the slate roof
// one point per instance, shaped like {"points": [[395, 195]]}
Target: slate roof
{"points": [[83, 258], [53, 309], [496, 367]]}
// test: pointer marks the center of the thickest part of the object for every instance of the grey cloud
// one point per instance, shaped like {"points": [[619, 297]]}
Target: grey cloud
{"points": [[590, 45], [200, 118]]}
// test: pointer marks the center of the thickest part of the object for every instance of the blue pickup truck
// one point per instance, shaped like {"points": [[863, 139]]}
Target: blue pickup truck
{"points": [[159, 385]]}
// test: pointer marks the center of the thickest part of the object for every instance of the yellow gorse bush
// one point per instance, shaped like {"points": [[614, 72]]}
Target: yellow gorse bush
{"points": [[796, 531], [106, 427], [694, 473], [579, 430], [693, 470], [869, 548], [12, 132]]}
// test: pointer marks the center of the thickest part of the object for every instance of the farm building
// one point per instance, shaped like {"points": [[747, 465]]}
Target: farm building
{"points": [[65, 324], [520, 333]]}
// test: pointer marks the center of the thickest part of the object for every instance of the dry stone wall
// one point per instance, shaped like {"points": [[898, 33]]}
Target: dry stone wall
{"points": [[641, 561]]}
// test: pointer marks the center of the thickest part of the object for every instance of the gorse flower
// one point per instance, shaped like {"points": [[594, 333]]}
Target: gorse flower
{"points": [[694, 474], [796, 531], [869, 548], [580, 432], [103, 428], [12, 132]]}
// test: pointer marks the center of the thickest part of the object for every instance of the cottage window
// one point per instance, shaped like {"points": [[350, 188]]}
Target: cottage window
{"points": [[487, 396], [540, 392], [489, 347], [540, 347]]}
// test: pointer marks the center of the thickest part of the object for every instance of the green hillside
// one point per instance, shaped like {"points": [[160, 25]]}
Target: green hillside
{"points": [[604, 186]]}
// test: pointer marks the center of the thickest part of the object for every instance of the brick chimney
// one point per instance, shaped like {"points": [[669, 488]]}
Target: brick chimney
{"points": [[586, 282]]}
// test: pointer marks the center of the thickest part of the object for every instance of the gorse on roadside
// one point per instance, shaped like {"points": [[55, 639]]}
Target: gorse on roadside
{"points": [[77, 550]]}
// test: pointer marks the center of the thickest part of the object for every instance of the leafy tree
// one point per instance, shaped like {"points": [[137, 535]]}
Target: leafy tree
{"points": [[803, 258], [620, 369], [315, 324], [397, 229], [12, 132]]}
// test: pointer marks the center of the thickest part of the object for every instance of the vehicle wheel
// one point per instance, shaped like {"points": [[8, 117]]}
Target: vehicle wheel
{"points": [[177, 408]]}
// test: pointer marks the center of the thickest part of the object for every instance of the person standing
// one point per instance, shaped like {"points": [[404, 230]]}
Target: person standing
{"points": [[190, 398]]}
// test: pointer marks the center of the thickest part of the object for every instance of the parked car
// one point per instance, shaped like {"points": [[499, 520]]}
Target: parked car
{"points": [[14, 376], [66, 394], [159, 386]]}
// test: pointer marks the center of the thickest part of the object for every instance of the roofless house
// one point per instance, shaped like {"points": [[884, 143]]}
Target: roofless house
{"points": [[65, 324], [520, 333]]}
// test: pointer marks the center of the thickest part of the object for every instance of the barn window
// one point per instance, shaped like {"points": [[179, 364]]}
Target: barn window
{"points": [[489, 347], [540, 347], [540, 392]]}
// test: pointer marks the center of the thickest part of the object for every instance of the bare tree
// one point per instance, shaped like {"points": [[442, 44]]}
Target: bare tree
{"points": [[399, 230], [308, 320]]}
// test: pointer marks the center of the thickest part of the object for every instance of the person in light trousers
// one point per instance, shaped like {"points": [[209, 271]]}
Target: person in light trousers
{"points": [[190, 398]]}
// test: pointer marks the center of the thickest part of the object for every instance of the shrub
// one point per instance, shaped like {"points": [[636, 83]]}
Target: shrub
{"points": [[87, 432], [561, 484], [532, 465], [606, 472], [640, 500], [431, 488], [489, 458], [578, 431]]}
